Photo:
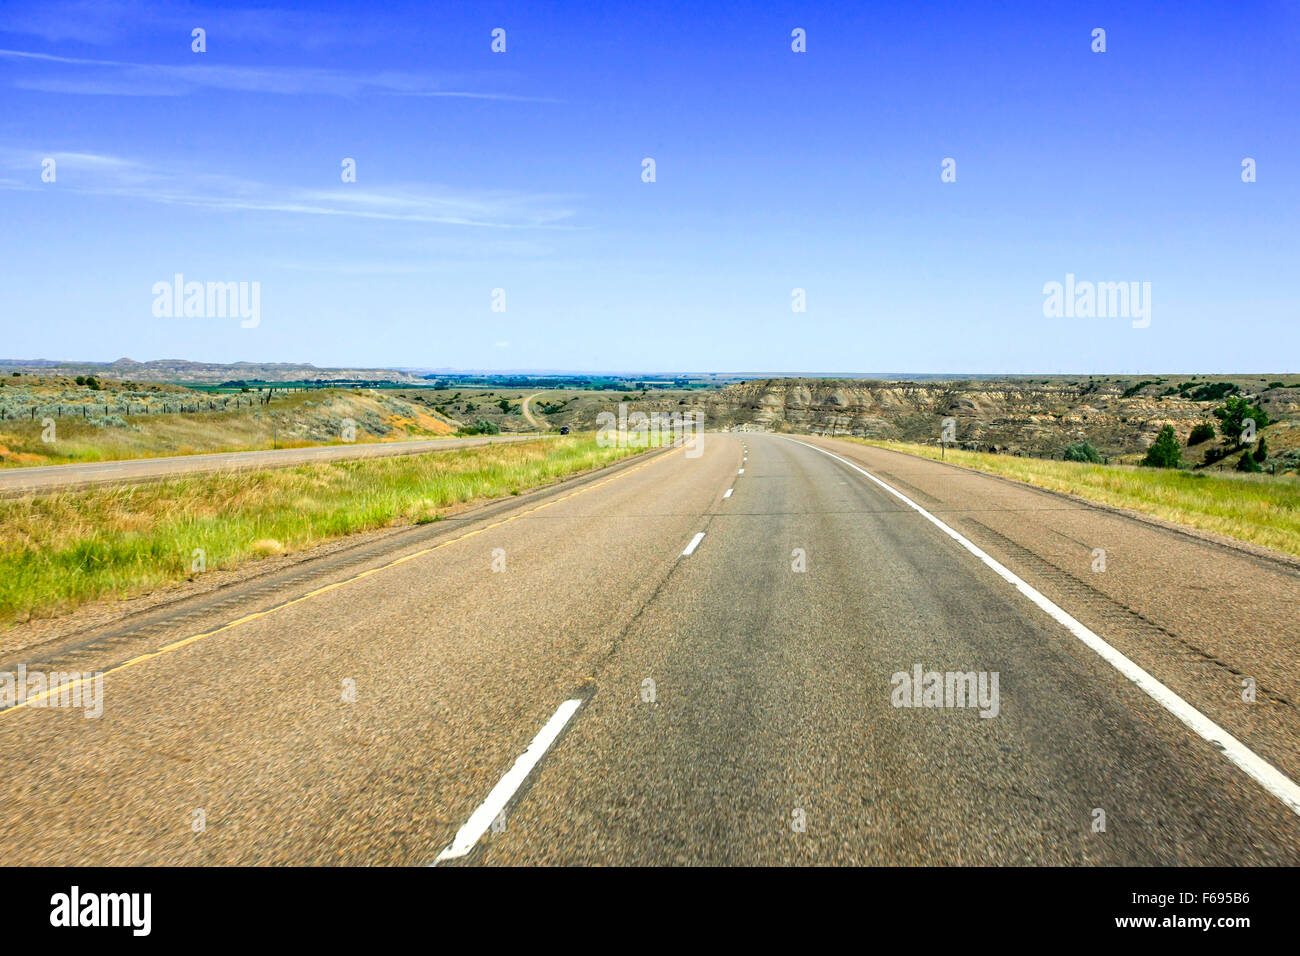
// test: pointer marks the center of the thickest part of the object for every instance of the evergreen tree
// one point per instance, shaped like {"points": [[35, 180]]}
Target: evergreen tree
{"points": [[1261, 450], [1165, 452]]}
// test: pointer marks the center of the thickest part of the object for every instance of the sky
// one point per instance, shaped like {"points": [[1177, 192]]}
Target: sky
{"points": [[774, 171]]}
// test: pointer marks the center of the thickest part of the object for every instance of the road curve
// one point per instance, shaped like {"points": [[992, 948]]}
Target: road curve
{"points": [[528, 414], [15, 481], [637, 667]]}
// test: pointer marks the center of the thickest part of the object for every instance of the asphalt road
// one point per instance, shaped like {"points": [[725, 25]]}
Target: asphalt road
{"points": [[711, 707], [15, 481]]}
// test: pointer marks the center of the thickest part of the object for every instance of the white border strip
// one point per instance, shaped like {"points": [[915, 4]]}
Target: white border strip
{"points": [[478, 823], [695, 543], [1259, 769], [729, 491]]}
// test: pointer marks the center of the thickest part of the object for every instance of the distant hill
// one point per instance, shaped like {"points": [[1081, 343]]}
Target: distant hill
{"points": [[1119, 414], [206, 373]]}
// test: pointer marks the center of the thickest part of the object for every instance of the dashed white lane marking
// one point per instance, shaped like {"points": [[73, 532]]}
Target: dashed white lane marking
{"points": [[695, 543], [1255, 766], [741, 472], [729, 491], [479, 821]]}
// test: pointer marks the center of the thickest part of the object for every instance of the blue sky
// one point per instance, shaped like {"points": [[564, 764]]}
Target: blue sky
{"points": [[775, 170]]}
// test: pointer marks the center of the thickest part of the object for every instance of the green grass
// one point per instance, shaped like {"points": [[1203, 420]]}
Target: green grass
{"points": [[63, 549], [1261, 509]]}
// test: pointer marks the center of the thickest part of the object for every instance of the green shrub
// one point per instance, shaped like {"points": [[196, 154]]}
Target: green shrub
{"points": [[1202, 432], [1211, 391], [1232, 415], [480, 427], [1082, 451], [1165, 451], [1247, 463], [1261, 450], [1135, 388]]}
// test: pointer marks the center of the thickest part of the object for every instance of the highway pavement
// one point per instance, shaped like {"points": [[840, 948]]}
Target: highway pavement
{"points": [[694, 660]]}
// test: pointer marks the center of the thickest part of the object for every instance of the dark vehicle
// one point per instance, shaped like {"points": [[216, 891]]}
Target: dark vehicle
{"points": [[564, 429]]}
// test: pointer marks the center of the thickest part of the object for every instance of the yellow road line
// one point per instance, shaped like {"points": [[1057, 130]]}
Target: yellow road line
{"points": [[183, 642]]}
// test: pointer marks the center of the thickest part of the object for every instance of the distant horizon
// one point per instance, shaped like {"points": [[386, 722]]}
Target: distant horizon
{"points": [[635, 373]]}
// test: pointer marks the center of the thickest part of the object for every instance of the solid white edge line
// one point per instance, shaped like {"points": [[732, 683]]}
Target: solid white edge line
{"points": [[729, 491], [481, 819], [695, 543], [1259, 769]]}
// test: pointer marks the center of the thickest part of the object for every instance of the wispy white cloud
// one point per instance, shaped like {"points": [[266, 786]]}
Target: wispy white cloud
{"points": [[105, 22], [51, 73], [114, 176]]}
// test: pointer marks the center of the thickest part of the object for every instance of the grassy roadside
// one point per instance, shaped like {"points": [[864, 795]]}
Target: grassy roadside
{"points": [[298, 420], [61, 550], [1261, 509]]}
